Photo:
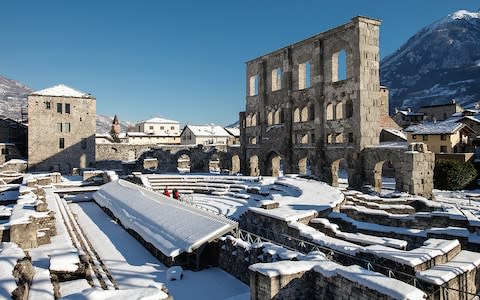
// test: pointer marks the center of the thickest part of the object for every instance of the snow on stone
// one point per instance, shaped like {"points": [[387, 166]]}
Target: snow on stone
{"points": [[42, 287], [379, 282], [376, 281], [171, 226], [160, 121], [61, 90], [150, 293], [464, 14], [432, 248], [465, 261], [9, 253], [360, 237], [313, 196], [64, 261], [321, 239]]}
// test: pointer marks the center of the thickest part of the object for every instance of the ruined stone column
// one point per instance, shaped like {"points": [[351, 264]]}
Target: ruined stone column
{"points": [[418, 165]]}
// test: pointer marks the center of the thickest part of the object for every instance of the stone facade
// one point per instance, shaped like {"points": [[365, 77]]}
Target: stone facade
{"points": [[303, 117], [61, 131]]}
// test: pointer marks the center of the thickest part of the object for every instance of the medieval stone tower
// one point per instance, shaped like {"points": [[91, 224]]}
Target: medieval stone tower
{"points": [[61, 129]]}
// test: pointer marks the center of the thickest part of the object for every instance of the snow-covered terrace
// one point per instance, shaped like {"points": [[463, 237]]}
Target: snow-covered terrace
{"points": [[170, 226]]}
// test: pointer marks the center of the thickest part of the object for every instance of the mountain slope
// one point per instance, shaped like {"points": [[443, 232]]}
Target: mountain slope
{"points": [[439, 63], [13, 96]]}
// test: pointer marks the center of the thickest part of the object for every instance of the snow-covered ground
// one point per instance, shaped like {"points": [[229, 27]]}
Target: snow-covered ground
{"points": [[133, 266]]}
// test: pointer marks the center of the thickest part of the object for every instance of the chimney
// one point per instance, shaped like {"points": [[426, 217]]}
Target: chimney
{"points": [[409, 109], [453, 101], [396, 110]]}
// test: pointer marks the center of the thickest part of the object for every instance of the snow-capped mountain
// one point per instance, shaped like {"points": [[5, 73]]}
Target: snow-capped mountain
{"points": [[439, 63], [13, 96]]}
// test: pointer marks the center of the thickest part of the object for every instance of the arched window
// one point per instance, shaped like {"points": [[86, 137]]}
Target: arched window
{"points": [[339, 138], [296, 115], [329, 139], [254, 119], [339, 66], [348, 109], [276, 117], [329, 111], [304, 115], [248, 120], [270, 118], [339, 111], [311, 112]]}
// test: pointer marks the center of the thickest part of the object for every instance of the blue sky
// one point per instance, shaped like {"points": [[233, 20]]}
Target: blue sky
{"points": [[182, 60]]}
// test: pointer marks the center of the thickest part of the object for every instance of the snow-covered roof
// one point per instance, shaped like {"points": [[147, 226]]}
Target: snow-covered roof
{"points": [[435, 128], [159, 120], [208, 130], [410, 113], [62, 90], [169, 225], [396, 132], [235, 131]]}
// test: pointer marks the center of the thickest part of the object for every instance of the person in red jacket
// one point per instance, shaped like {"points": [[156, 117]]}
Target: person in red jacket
{"points": [[166, 192], [176, 195]]}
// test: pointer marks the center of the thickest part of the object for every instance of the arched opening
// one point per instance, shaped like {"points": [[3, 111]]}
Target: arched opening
{"points": [[339, 171], [296, 115], [248, 120], [270, 118], [304, 115], [274, 165], [183, 163], [329, 111], [339, 111], [304, 166], [339, 65], [384, 176], [348, 109], [235, 164], [253, 164], [214, 164], [254, 120], [83, 160]]}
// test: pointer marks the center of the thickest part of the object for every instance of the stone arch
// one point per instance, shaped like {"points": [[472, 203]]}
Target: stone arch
{"points": [[183, 159], [340, 172], [329, 111], [274, 164], [235, 164], [214, 163], [305, 166], [253, 166], [296, 115], [382, 172]]}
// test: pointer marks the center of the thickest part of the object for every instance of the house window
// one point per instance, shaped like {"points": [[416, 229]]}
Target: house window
{"points": [[4, 151], [414, 136], [61, 143], [254, 80], [47, 105], [172, 127], [161, 128], [443, 149], [150, 127], [277, 79], [83, 143], [425, 137], [304, 76], [67, 127], [443, 137], [67, 108], [59, 107], [59, 127]]}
